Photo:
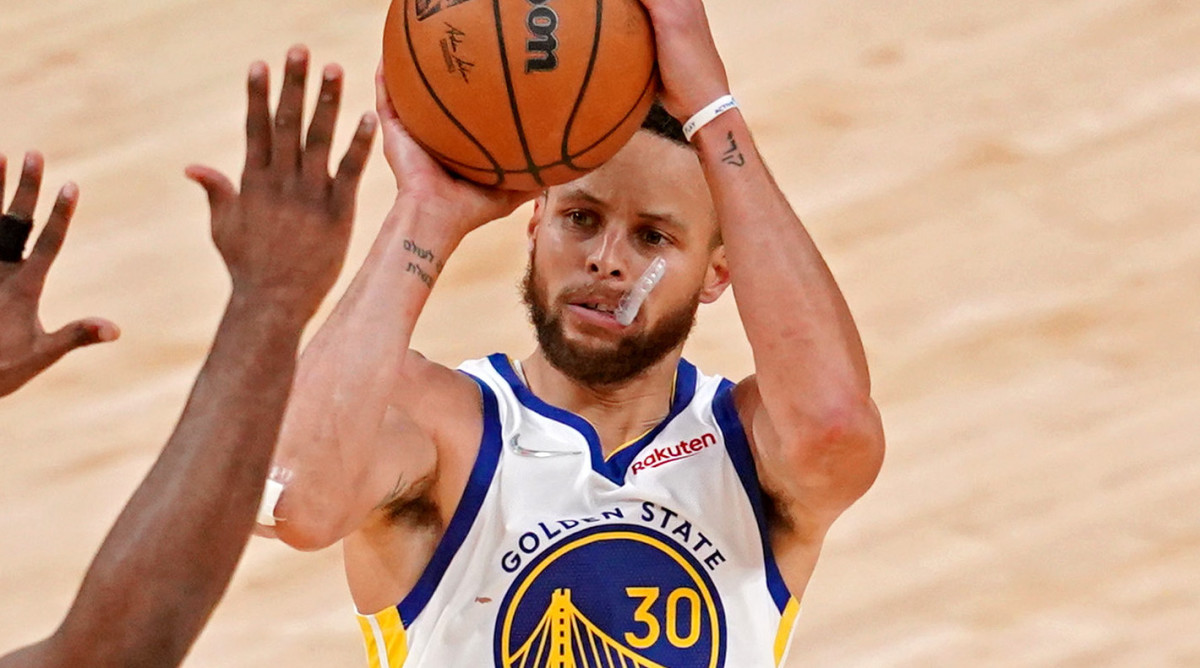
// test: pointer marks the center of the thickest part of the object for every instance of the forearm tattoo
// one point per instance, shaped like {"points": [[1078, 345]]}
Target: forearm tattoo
{"points": [[733, 155], [426, 267]]}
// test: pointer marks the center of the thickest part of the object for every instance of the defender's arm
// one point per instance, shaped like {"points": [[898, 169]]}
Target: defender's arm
{"points": [[169, 557]]}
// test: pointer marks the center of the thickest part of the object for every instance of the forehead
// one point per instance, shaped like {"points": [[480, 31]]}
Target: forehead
{"points": [[649, 175]]}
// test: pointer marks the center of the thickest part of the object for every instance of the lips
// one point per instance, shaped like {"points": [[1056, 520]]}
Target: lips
{"points": [[596, 306], [602, 307]]}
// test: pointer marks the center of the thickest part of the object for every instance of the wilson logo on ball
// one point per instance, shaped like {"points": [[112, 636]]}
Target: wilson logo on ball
{"points": [[427, 8], [542, 47]]}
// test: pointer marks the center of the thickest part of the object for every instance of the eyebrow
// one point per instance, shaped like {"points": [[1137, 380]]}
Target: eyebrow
{"points": [[670, 220]]}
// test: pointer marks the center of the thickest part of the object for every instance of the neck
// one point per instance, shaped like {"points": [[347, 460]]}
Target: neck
{"points": [[621, 412]]}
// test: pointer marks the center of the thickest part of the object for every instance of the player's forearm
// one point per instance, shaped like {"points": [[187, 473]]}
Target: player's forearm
{"points": [[807, 351], [355, 367], [168, 559]]}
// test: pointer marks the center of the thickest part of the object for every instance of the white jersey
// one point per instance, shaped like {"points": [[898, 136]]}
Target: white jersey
{"points": [[560, 557]]}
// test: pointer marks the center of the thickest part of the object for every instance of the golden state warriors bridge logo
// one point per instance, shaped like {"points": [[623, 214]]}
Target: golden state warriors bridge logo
{"points": [[612, 595]]}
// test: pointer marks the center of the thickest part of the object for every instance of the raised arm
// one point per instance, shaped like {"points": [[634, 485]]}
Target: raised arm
{"points": [[26, 349], [358, 433], [815, 431], [169, 557]]}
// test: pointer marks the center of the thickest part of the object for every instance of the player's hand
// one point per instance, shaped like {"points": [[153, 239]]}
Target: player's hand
{"points": [[691, 69], [284, 234], [26, 349], [460, 203]]}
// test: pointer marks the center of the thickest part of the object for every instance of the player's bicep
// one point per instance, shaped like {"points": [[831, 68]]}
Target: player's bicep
{"points": [[326, 498], [813, 471]]}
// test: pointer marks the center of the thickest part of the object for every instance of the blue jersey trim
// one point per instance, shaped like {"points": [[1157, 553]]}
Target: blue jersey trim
{"points": [[614, 468], [464, 515], [743, 462]]}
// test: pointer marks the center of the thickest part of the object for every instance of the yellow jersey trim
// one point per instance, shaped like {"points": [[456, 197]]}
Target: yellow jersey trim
{"points": [[385, 638], [787, 624]]}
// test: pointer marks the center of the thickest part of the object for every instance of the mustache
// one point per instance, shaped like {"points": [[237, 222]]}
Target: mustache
{"points": [[592, 291]]}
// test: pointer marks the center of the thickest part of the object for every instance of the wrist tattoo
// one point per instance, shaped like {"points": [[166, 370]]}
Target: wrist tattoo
{"points": [[412, 268], [424, 254], [732, 155], [426, 274]]}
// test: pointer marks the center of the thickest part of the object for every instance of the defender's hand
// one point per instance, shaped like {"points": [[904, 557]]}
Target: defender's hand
{"points": [[690, 67], [284, 235], [25, 348], [422, 180]]}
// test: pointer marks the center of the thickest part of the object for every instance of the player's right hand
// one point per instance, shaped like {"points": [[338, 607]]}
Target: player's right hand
{"points": [[284, 235], [421, 180]]}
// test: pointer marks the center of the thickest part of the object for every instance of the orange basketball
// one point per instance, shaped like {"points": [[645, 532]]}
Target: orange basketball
{"points": [[520, 94]]}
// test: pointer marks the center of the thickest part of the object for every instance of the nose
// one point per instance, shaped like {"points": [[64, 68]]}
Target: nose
{"points": [[609, 256]]}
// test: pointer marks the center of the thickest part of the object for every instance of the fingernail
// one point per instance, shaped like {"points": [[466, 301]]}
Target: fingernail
{"points": [[70, 190]]}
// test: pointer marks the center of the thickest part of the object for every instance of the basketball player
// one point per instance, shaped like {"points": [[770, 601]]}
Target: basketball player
{"points": [[600, 502], [26, 349], [283, 237]]}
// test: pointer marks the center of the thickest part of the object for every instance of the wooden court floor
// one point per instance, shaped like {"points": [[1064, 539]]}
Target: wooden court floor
{"points": [[1008, 192]]}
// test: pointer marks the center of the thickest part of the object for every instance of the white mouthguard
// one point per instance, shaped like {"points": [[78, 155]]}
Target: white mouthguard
{"points": [[632, 302]]}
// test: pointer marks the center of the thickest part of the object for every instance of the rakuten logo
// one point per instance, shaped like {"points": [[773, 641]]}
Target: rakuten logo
{"points": [[671, 453]]}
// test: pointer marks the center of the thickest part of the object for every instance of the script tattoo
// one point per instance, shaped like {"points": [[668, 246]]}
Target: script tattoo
{"points": [[426, 273], [732, 155]]}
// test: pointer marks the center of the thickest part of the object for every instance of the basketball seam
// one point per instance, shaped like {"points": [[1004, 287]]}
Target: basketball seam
{"points": [[646, 88], [532, 169], [587, 77], [496, 169]]}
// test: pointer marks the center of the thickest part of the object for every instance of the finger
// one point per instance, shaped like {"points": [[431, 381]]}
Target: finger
{"points": [[258, 117], [286, 146], [3, 172], [514, 198], [320, 131], [383, 102], [349, 174], [77, 334], [220, 191], [25, 199], [50, 241]]}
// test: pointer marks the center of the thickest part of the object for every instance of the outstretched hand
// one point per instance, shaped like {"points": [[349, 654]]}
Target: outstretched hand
{"points": [[422, 179], [26, 349], [284, 235]]}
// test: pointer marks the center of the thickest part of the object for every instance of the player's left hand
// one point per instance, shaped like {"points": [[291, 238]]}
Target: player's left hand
{"points": [[463, 205], [26, 349], [691, 69]]}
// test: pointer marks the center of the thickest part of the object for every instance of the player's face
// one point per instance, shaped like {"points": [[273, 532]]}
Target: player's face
{"points": [[594, 237]]}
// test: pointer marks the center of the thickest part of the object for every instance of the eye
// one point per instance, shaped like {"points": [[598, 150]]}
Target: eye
{"points": [[652, 237], [580, 218]]}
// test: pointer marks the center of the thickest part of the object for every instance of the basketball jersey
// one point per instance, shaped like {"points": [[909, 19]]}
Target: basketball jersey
{"points": [[557, 556]]}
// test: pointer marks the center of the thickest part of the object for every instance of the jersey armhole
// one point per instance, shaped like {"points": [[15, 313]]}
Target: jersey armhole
{"points": [[478, 483], [738, 447]]}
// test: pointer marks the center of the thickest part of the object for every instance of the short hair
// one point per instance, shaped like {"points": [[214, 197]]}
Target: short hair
{"points": [[661, 123]]}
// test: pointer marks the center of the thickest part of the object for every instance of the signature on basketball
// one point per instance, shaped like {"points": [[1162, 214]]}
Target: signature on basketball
{"points": [[454, 62]]}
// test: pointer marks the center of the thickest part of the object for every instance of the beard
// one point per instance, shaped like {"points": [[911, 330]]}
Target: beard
{"points": [[595, 366]]}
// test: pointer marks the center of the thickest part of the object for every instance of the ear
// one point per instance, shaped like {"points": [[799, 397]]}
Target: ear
{"points": [[539, 210], [716, 276]]}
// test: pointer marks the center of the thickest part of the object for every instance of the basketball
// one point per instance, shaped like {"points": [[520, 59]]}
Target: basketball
{"points": [[520, 94]]}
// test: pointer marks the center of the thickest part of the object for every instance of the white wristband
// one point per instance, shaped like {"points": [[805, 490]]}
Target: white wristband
{"points": [[277, 479], [706, 115]]}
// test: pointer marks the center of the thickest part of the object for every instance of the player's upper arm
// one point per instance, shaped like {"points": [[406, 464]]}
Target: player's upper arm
{"points": [[334, 485], [815, 468]]}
